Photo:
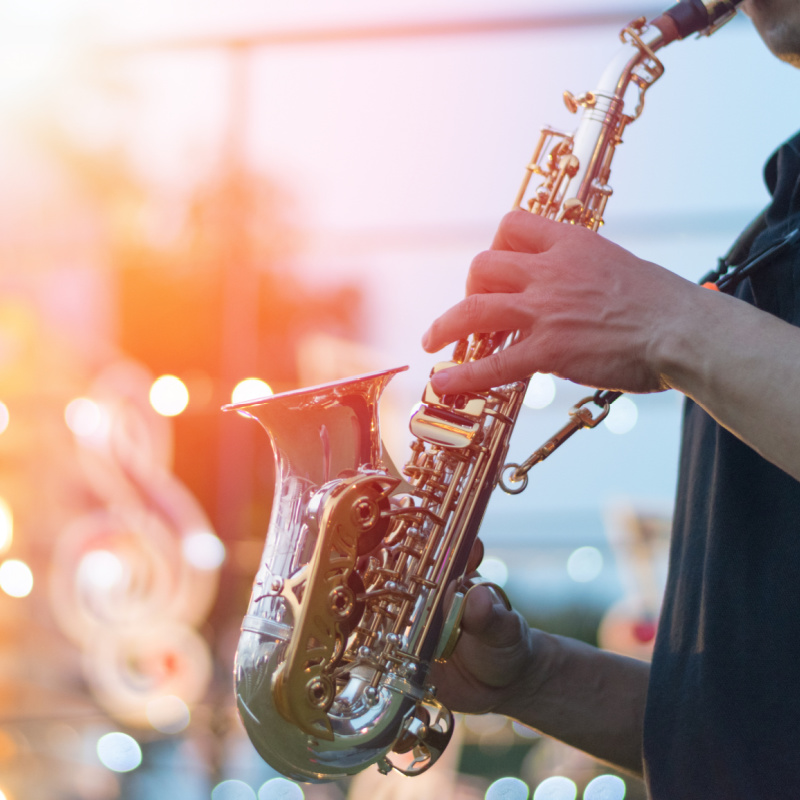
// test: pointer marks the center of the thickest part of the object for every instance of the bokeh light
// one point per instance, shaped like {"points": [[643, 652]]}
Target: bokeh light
{"points": [[6, 525], [495, 570], [605, 787], [585, 564], [3, 795], [4, 417], [119, 752], [508, 789], [100, 569], [556, 788], [168, 714], [623, 415], [16, 578], [169, 395], [233, 790], [84, 417], [203, 550], [280, 789], [541, 391], [250, 389]]}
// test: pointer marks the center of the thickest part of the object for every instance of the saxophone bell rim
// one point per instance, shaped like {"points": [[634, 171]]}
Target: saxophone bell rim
{"points": [[314, 389]]}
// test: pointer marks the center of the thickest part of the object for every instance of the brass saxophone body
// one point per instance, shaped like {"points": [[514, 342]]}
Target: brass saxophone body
{"points": [[348, 608]]}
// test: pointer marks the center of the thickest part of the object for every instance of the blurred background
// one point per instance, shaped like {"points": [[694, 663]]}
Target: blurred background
{"points": [[200, 193]]}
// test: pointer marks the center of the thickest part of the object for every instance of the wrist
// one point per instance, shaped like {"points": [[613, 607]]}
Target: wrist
{"points": [[681, 347]]}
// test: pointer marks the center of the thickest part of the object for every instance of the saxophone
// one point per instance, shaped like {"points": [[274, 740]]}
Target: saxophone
{"points": [[349, 606]]}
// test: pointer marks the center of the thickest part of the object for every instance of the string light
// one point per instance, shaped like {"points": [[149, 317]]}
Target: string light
{"points": [[169, 395], [494, 570], [233, 790], [508, 789], [16, 578], [541, 391], [605, 787], [250, 389], [585, 564], [203, 550], [84, 417], [119, 752], [623, 416], [6, 526], [280, 789], [556, 788]]}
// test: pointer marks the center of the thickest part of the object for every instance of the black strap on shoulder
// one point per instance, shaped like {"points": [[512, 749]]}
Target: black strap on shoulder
{"points": [[739, 250]]}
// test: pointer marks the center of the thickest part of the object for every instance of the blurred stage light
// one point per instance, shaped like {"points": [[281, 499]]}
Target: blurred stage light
{"points": [[6, 526], [169, 395], [16, 578], [119, 752], [4, 796], [585, 564], [605, 787], [4, 417], [233, 790], [508, 789], [203, 550], [250, 389], [541, 391], [168, 714], [280, 789], [623, 415], [494, 570], [556, 788], [85, 418]]}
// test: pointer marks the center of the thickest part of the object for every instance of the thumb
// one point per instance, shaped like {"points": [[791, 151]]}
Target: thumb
{"points": [[487, 617]]}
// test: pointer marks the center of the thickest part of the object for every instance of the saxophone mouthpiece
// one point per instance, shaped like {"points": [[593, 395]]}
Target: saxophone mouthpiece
{"points": [[695, 16]]}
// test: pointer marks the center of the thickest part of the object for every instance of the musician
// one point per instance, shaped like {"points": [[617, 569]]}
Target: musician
{"points": [[717, 714]]}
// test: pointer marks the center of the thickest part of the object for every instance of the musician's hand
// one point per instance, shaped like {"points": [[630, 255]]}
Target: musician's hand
{"points": [[587, 310], [494, 652]]}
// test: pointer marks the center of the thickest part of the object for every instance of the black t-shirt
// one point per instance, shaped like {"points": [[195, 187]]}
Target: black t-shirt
{"points": [[723, 707]]}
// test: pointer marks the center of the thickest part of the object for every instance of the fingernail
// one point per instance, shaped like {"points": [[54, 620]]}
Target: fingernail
{"points": [[425, 338], [441, 380]]}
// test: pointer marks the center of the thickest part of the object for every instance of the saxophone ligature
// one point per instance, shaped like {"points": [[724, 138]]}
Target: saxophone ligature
{"points": [[349, 605]]}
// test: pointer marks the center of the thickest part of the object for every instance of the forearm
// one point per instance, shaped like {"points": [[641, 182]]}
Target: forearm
{"points": [[588, 698], [742, 366]]}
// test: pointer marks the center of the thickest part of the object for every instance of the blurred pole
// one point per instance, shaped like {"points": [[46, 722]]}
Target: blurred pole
{"points": [[239, 323]]}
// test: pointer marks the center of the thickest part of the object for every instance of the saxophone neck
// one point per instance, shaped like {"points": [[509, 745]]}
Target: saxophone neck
{"points": [[695, 16]]}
